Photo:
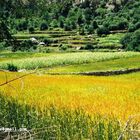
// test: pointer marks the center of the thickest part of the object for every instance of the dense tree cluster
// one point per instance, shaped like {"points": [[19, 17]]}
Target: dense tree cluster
{"points": [[85, 16]]}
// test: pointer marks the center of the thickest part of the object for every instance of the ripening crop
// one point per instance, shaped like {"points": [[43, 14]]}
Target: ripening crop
{"points": [[115, 97]]}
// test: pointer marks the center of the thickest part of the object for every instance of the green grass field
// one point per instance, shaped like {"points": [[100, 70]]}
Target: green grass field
{"points": [[58, 59], [117, 64]]}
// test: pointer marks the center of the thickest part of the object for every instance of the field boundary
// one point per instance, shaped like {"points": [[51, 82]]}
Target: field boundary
{"points": [[98, 73]]}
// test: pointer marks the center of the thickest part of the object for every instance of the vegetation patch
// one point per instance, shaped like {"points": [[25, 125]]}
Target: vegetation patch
{"points": [[65, 59]]}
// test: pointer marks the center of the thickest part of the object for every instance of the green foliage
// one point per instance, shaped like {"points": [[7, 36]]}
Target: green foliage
{"points": [[63, 47], [2, 45], [26, 45], [94, 24], [47, 41], [137, 25], [90, 29], [31, 30], [132, 28], [131, 41], [54, 23], [102, 31], [65, 59], [22, 25], [43, 26], [81, 31], [12, 67], [89, 47], [67, 26], [42, 49]]}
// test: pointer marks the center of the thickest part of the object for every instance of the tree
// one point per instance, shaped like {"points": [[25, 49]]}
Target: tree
{"points": [[6, 36], [43, 26], [6, 9], [102, 30], [31, 30], [131, 41], [94, 24]]}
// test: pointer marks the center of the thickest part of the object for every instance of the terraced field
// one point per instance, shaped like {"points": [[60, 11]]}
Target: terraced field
{"points": [[73, 40]]}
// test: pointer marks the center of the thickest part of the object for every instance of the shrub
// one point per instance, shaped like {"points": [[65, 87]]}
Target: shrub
{"points": [[113, 27], [94, 24], [89, 47], [43, 26], [3, 45], [26, 45], [63, 47], [73, 25], [122, 25], [137, 25], [102, 31], [42, 49], [67, 27], [47, 41], [90, 30], [12, 67], [54, 23], [82, 31], [61, 24], [131, 41], [31, 30], [23, 25], [131, 28]]}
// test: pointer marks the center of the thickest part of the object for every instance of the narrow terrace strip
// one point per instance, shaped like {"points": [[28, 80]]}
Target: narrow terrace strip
{"points": [[98, 73]]}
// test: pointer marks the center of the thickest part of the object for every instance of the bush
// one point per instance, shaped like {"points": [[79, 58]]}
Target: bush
{"points": [[126, 40], [94, 25], [47, 41], [102, 31], [42, 49], [12, 67], [43, 26], [61, 25], [63, 47], [67, 27], [131, 28], [137, 25], [82, 31], [31, 30], [90, 30], [26, 45], [54, 23], [3, 45], [122, 25], [131, 41], [23, 25], [113, 27], [89, 47]]}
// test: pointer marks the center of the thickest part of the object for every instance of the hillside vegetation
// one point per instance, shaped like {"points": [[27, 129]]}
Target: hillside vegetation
{"points": [[86, 17]]}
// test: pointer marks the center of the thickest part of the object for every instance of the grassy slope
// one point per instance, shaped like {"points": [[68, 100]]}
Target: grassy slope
{"points": [[123, 63], [65, 59]]}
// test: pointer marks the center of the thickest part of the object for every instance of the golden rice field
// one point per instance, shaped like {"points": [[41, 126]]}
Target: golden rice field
{"points": [[113, 97]]}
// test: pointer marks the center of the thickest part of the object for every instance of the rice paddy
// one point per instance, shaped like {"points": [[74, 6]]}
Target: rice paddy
{"points": [[72, 107], [112, 96]]}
